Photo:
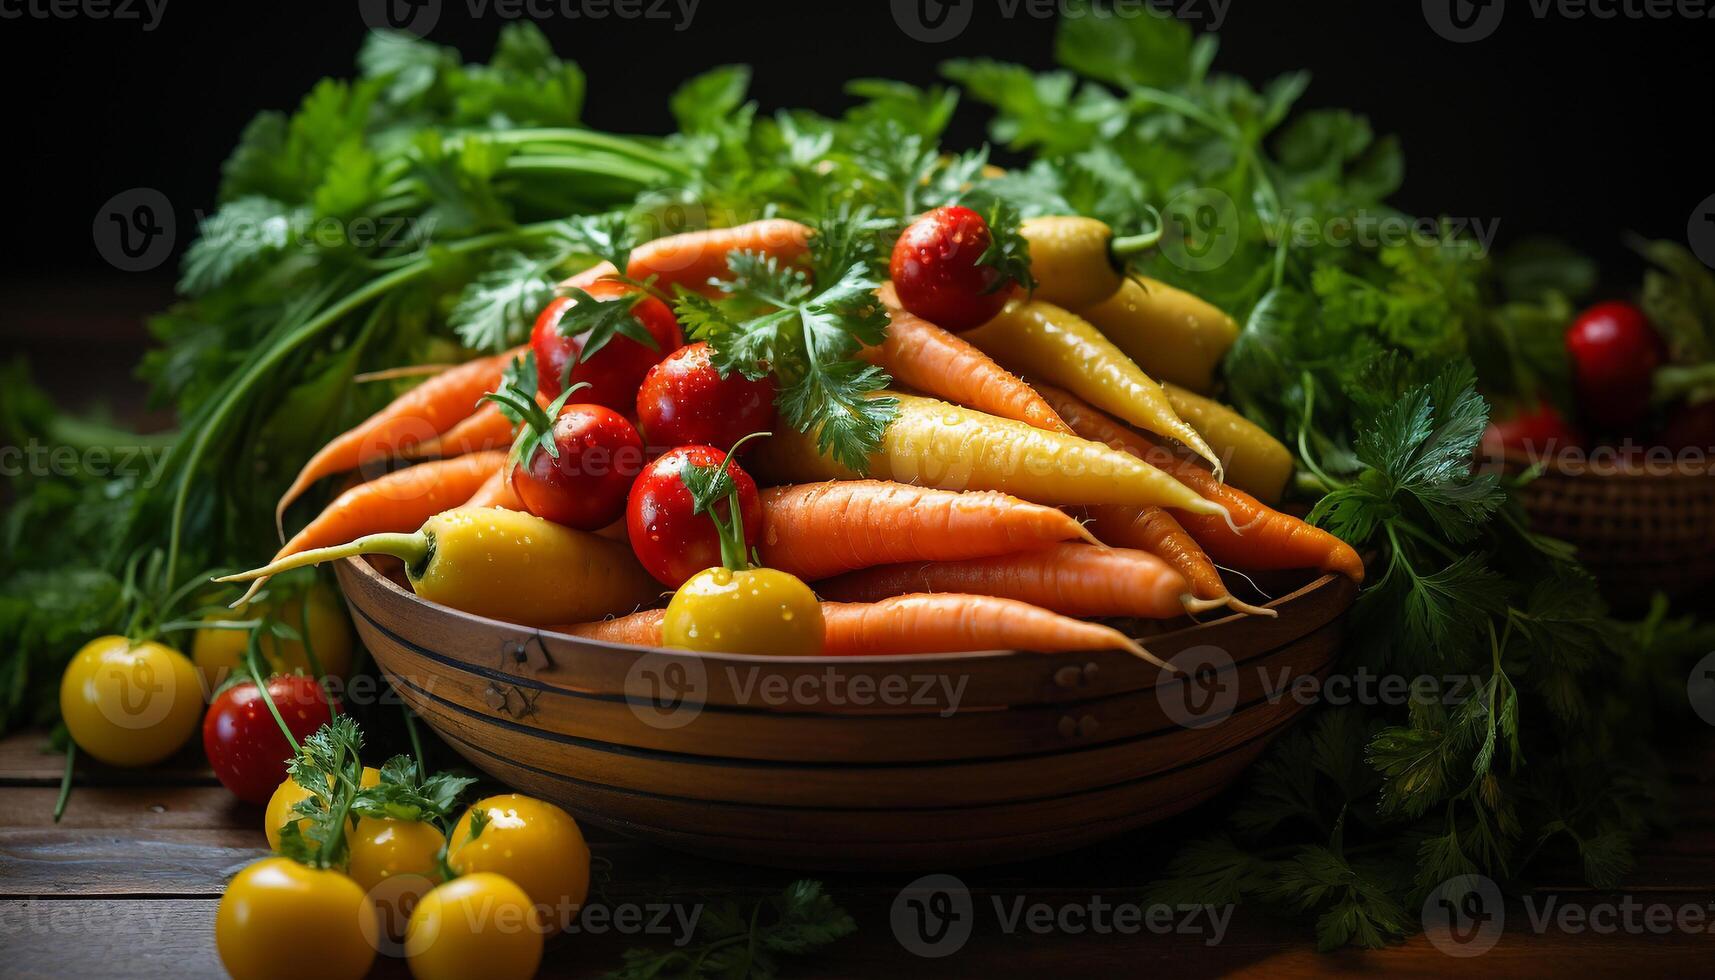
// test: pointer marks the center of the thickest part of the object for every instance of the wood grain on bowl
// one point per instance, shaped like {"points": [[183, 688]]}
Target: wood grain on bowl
{"points": [[936, 760]]}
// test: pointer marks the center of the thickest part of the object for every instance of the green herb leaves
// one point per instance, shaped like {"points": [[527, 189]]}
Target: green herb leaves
{"points": [[747, 939], [330, 767], [805, 327]]}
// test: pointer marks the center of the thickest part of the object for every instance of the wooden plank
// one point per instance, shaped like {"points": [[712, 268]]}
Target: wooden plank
{"points": [[141, 808], [121, 861], [25, 761], [147, 938]]}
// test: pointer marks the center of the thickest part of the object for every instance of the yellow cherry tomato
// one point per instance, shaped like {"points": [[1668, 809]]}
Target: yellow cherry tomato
{"points": [[393, 861], [758, 611], [477, 925], [280, 919], [219, 652], [532, 842], [130, 704], [288, 794]]}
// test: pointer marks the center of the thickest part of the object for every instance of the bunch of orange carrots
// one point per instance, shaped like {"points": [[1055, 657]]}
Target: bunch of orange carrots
{"points": [[998, 512]]}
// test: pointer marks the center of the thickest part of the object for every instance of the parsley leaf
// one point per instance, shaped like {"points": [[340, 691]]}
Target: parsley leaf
{"points": [[496, 310], [807, 336]]}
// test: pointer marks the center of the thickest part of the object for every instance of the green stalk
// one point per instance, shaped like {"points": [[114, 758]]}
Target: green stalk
{"points": [[411, 548], [271, 358], [65, 780]]}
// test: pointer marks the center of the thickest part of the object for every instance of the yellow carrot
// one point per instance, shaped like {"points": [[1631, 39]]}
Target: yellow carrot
{"points": [[1062, 348], [1072, 259], [933, 444], [1256, 462], [1174, 336], [501, 564]]}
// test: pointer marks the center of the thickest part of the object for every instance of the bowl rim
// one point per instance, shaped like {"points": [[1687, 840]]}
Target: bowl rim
{"points": [[364, 569]]}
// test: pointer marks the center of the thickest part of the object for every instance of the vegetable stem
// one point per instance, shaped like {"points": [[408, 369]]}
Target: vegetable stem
{"points": [[270, 358], [411, 547], [65, 780]]}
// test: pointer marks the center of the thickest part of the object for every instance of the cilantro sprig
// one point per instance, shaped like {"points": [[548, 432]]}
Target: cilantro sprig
{"points": [[804, 327]]}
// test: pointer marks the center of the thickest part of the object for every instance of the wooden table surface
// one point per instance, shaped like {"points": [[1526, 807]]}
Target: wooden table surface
{"points": [[126, 885]]}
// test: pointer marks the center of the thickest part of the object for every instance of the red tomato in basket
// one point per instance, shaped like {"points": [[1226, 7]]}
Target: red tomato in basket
{"points": [[616, 370], [671, 542], [684, 401]]}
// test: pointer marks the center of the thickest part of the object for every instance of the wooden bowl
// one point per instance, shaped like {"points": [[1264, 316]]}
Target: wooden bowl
{"points": [[1640, 528], [859, 762]]}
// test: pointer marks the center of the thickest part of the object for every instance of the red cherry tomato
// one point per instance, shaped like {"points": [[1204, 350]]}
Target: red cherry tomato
{"points": [[585, 488], [670, 541], [243, 742], [685, 401], [615, 371], [936, 274], [1535, 432], [1615, 354]]}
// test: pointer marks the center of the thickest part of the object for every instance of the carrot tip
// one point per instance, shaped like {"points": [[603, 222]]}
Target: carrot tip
{"points": [[255, 587], [1089, 536], [1250, 610], [1194, 605], [1136, 649]]}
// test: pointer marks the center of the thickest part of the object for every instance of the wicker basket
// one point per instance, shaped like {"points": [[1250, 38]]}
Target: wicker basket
{"points": [[1641, 529]]}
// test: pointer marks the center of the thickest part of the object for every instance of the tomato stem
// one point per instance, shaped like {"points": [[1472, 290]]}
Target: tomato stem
{"points": [[731, 534], [252, 658]]}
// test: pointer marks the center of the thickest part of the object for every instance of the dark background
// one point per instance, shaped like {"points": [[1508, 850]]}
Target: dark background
{"points": [[1582, 128]]}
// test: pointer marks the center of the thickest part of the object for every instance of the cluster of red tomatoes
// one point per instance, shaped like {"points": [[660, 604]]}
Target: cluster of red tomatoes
{"points": [[1614, 354], [623, 443]]}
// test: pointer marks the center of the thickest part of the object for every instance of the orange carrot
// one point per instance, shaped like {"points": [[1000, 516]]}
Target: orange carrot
{"points": [[640, 629], [422, 413], [487, 428], [1264, 540], [820, 529], [953, 623], [1154, 530], [399, 501], [942, 623], [587, 278], [496, 491], [929, 359], [694, 258], [1071, 579]]}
